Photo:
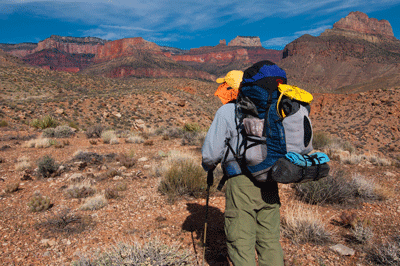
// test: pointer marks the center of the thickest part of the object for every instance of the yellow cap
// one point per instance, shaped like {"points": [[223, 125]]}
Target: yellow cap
{"points": [[232, 78]]}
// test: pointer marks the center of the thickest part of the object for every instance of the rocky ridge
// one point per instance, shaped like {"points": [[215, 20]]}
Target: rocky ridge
{"points": [[357, 50]]}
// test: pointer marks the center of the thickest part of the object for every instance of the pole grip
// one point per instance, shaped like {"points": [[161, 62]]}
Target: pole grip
{"points": [[210, 178]]}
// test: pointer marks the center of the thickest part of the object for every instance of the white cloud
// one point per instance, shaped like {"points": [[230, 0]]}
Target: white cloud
{"points": [[280, 42]]}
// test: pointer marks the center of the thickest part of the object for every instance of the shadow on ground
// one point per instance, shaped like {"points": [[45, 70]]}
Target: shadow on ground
{"points": [[216, 253]]}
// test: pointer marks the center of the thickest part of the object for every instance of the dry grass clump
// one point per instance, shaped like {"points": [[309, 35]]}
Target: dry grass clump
{"points": [[39, 203], [150, 253], [38, 143], [325, 141], [80, 190], [109, 137], [23, 163], [94, 203], [182, 175], [387, 253], [126, 160], [338, 188], [359, 158], [134, 138], [94, 131], [301, 224], [12, 187]]}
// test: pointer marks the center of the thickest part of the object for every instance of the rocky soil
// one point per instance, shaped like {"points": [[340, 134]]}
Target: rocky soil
{"points": [[64, 233]]}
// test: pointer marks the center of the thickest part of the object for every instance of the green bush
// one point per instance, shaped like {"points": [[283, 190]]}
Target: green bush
{"points": [[151, 253], [184, 178], [3, 123], [46, 122], [191, 127], [47, 166], [39, 203]]}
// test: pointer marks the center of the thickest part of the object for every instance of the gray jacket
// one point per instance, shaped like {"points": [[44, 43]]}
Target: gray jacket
{"points": [[222, 129]]}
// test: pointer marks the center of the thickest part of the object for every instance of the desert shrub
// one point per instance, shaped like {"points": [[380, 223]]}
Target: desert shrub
{"points": [[3, 123], [183, 177], [47, 166], [367, 189], [39, 203], [110, 193], [94, 131], [110, 173], [66, 221], [63, 132], [80, 190], [45, 122], [191, 127], [94, 203], [108, 136], [151, 253], [12, 187], [387, 253], [121, 186], [48, 132], [88, 157], [174, 133], [337, 189], [193, 138], [126, 160], [303, 224], [134, 139], [331, 189], [321, 139], [73, 125], [361, 232], [331, 144]]}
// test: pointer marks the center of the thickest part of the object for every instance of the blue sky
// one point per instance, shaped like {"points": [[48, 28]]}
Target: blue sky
{"points": [[183, 24]]}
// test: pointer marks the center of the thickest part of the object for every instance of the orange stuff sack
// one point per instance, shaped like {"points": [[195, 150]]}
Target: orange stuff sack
{"points": [[226, 93]]}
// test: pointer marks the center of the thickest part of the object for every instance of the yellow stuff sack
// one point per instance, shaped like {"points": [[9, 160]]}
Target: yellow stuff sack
{"points": [[293, 93]]}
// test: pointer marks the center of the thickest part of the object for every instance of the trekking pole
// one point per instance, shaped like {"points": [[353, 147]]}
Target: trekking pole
{"points": [[210, 181]]}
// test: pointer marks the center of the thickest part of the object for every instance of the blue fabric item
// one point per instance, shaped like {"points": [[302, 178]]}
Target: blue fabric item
{"points": [[266, 71], [306, 160], [259, 97]]}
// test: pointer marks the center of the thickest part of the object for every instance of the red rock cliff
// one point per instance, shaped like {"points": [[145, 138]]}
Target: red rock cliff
{"points": [[124, 47], [360, 22]]}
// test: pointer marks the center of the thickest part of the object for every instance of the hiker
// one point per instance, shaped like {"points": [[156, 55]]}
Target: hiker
{"points": [[252, 218], [228, 90]]}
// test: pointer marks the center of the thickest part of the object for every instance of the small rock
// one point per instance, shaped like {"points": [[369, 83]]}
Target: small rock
{"points": [[143, 159], [343, 250]]}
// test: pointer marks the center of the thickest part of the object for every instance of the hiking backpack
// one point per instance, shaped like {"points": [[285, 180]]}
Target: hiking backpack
{"points": [[271, 122]]}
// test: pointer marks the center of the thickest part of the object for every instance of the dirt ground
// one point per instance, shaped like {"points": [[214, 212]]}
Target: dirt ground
{"points": [[141, 213]]}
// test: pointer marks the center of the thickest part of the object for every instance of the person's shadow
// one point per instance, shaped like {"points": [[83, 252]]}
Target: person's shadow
{"points": [[216, 252]]}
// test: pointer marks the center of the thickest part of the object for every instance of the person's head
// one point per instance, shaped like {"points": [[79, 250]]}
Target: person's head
{"points": [[229, 88]]}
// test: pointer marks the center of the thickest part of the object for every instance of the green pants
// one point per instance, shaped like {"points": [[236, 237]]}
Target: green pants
{"points": [[252, 222]]}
